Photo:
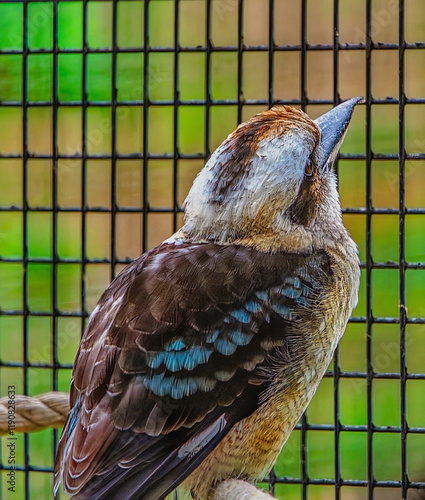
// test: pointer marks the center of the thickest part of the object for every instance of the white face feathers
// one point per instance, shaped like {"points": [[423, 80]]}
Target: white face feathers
{"points": [[264, 180]]}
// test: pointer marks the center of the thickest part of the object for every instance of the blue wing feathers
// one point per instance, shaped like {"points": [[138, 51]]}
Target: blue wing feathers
{"points": [[282, 310], [212, 336], [175, 345], [241, 315], [196, 322], [240, 338], [225, 346], [237, 331], [262, 295], [253, 307]]}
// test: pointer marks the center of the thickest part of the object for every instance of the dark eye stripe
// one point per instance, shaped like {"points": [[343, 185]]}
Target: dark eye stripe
{"points": [[309, 167]]}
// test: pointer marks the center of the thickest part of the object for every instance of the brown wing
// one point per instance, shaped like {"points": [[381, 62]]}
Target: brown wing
{"points": [[170, 362]]}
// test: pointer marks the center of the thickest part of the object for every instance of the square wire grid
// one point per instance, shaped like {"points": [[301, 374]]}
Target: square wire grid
{"points": [[105, 183]]}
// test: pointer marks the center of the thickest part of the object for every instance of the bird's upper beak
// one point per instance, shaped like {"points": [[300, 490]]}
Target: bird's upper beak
{"points": [[333, 126]]}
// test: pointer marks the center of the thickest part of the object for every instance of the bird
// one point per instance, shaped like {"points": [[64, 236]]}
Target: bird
{"points": [[202, 354]]}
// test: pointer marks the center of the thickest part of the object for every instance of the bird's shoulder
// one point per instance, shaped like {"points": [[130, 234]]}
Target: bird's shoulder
{"points": [[178, 307]]}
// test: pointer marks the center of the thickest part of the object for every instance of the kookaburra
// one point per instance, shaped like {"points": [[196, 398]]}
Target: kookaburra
{"points": [[201, 356]]}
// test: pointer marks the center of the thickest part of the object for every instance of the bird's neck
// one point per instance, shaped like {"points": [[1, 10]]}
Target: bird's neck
{"points": [[280, 236]]}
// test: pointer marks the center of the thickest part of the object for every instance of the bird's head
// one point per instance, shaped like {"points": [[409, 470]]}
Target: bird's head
{"points": [[272, 180]]}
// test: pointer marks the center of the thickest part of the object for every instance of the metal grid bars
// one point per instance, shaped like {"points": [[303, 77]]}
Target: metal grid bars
{"points": [[108, 109]]}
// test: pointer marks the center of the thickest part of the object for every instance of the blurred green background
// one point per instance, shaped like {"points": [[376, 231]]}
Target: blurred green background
{"points": [[92, 187]]}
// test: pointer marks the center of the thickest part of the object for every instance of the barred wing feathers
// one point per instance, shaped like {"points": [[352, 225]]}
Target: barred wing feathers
{"points": [[175, 354]]}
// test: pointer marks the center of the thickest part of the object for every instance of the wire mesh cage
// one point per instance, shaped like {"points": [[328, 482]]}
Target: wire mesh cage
{"points": [[109, 109]]}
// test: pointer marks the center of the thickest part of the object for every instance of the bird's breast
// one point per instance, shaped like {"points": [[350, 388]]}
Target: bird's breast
{"points": [[253, 445]]}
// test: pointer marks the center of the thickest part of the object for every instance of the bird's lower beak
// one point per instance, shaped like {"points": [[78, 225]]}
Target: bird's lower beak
{"points": [[333, 126]]}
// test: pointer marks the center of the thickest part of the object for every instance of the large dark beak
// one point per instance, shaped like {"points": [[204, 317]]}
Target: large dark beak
{"points": [[333, 126]]}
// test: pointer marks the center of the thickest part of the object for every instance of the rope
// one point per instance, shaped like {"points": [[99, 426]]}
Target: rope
{"points": [[28, 414]]}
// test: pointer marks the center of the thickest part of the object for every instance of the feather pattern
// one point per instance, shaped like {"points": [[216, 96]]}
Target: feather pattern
{"points": [[155, 386]]}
